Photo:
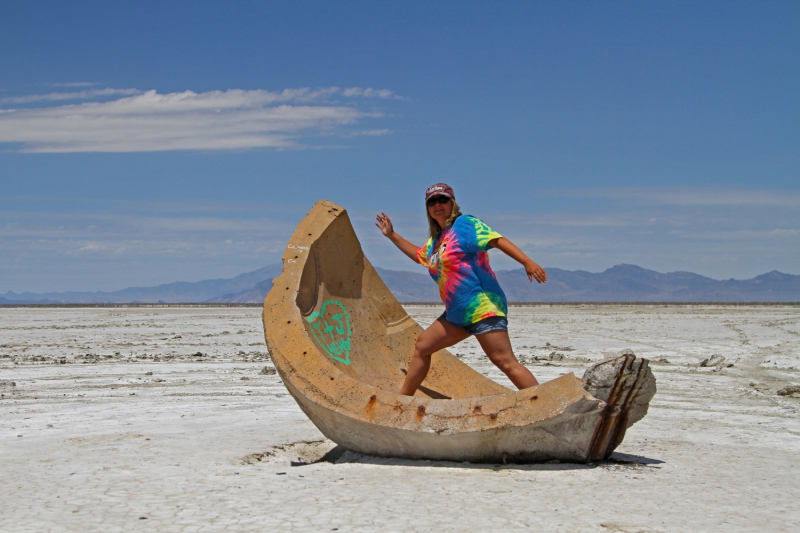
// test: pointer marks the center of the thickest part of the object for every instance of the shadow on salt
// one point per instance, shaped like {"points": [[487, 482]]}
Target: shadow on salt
{"points": [[309, 453]]}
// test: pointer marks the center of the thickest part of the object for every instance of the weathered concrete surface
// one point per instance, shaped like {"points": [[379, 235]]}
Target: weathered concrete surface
{"points": [[341, 343]]}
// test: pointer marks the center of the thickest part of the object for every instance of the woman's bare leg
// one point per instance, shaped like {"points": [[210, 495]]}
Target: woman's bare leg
{"points": [[497, 346], [439, 335]]}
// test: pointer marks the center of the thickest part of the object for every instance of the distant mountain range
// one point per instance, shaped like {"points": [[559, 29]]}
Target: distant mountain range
{"points": [[621, 283], [630, 283], [178, 292]]}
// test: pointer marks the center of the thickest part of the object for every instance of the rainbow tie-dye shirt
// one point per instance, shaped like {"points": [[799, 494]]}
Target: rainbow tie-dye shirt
{"points": [[458, 260]]}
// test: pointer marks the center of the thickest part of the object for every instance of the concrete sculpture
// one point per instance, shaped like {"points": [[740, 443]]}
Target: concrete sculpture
{"points": [[341, 343]]}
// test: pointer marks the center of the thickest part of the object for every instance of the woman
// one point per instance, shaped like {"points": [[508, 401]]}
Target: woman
{"points": [[457, 258]]}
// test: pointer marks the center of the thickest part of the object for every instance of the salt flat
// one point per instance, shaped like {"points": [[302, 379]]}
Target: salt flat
{"points": [[159, 419]]}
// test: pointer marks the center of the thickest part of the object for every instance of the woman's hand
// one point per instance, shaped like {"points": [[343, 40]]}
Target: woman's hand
{"points": [[533, 270], [384, 224]]}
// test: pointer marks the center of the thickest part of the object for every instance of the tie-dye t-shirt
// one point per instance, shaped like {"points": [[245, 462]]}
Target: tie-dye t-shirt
{"points": [[458, 260]]}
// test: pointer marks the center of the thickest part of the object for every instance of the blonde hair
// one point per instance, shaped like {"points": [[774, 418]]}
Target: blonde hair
{"points": [[434, 228]]}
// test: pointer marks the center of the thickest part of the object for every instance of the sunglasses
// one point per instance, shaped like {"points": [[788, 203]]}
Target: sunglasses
{"points": [[437, 200]]}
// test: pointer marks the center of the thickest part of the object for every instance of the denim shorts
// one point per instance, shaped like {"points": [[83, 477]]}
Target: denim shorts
{"points": [[493, 323]]}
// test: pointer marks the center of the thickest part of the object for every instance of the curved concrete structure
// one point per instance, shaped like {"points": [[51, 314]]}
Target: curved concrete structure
{"points": [[341, 343]]}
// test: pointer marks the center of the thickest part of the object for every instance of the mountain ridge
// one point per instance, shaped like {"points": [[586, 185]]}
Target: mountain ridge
{"points": [[620, 283], [175, 292]]}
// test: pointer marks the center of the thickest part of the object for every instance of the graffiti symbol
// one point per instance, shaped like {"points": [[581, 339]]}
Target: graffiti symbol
{"points": [[331, 328]]}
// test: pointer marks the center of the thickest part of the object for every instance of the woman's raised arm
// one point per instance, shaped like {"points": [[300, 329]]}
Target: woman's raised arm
{"points": [[532, 268], [385, 225]]}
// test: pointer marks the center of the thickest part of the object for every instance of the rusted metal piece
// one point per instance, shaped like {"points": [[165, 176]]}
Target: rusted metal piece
{"points": [[341, 343], [627, 385]]}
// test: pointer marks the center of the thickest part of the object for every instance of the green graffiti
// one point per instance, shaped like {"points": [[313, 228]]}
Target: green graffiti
{"points": [[332, 331]]}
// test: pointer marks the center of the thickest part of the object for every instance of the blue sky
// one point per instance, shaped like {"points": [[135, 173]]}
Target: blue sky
{"points": [[148, 142]]}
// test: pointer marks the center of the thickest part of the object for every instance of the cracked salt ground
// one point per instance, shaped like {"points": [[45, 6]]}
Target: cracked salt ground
{"points": [[107, 446]]}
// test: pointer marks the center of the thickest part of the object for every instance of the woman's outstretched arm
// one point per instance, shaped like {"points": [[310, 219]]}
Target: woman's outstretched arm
{"points": [[385, 225], [532, 268]]}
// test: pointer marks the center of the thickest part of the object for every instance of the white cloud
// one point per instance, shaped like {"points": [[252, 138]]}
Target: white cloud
{"points": [[73, 84], [90, 247], [692, 196], [777, 233], [64, 226], [578, 220], [370, 93], [79, 95], [371, 132], [215, 120]]}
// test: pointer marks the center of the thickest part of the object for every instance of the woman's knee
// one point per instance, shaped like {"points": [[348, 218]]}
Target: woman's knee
{"points": [[504, 361], [423, 347], [426, 342]]}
